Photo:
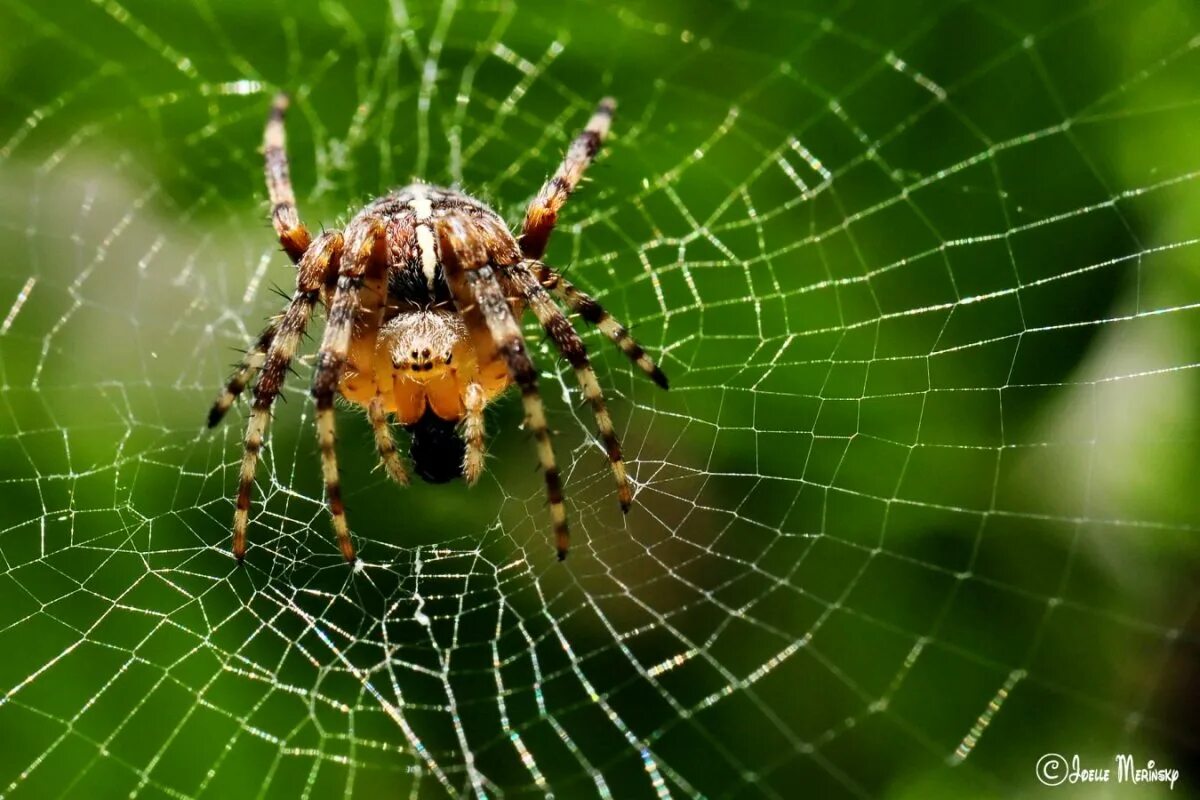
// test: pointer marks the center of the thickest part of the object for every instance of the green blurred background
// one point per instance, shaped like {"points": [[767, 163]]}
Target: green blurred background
{"points": [[918, 509]]}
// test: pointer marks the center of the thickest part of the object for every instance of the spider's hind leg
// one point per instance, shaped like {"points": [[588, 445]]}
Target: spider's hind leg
{"points": [[586, 307], [567, 340]]}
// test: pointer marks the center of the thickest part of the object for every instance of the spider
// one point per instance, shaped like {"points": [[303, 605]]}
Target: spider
{"points": [[423, 290]]}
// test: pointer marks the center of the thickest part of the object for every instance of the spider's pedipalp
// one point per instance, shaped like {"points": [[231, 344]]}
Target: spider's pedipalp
{"points": [[294, 237], [586, 307], [474, 399], [314, 267], [385, 443], [473, 283], [542, 214], [363, 239], [567, 340]]}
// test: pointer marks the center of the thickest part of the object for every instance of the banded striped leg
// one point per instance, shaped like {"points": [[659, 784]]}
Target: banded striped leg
{"points": [[314, 267], [292, 234], [385, 443], [567, 340], [362, 240], [252, 362], [478, 297], [583, 305], [473, 432], [542, 214]]}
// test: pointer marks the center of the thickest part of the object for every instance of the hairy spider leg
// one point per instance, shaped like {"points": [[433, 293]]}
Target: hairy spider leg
{"points": [[291, 231], [252, 362], [315, 268], [364, 245], [542, 214], [477, 292], [567, 340], [293, 236], [595, 314]]}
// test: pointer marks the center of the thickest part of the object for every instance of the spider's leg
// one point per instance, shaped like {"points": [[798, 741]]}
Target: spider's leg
{"points": [[567, 340], [314, 267], [385, 443], [292, 234], [583, 305], [473, 432], [363, 239], [543, 211], [252, 362], [478, 296]]}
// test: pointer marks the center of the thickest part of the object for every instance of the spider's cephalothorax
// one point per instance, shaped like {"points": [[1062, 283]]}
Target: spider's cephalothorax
{"points": [[423, 290]]}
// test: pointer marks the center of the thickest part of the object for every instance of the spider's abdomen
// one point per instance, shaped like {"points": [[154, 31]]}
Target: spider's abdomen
{"points": [[437, 450]]}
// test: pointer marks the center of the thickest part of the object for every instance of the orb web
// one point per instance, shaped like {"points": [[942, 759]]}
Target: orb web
{"points": [[914, 508]]}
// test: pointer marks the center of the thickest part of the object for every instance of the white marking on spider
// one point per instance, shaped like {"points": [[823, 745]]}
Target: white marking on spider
{"points": [[422, 208]]}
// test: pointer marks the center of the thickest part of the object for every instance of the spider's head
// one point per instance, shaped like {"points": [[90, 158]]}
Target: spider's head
{"points": [[421, 343]]}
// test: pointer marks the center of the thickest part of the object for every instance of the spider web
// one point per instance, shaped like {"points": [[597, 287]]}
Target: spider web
{"points": [[918, 508]]}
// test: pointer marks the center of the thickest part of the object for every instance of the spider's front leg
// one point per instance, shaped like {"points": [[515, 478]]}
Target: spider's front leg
{"points": [[291, 231], [542, 214], [480, 300], [293, 236], [364, 241]]}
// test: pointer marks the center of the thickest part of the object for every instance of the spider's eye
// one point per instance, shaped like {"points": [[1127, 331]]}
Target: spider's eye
{"points": [[414, 355]]}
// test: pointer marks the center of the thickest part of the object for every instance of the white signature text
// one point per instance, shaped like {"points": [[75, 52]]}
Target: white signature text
{"points": [[1053, 769]]}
